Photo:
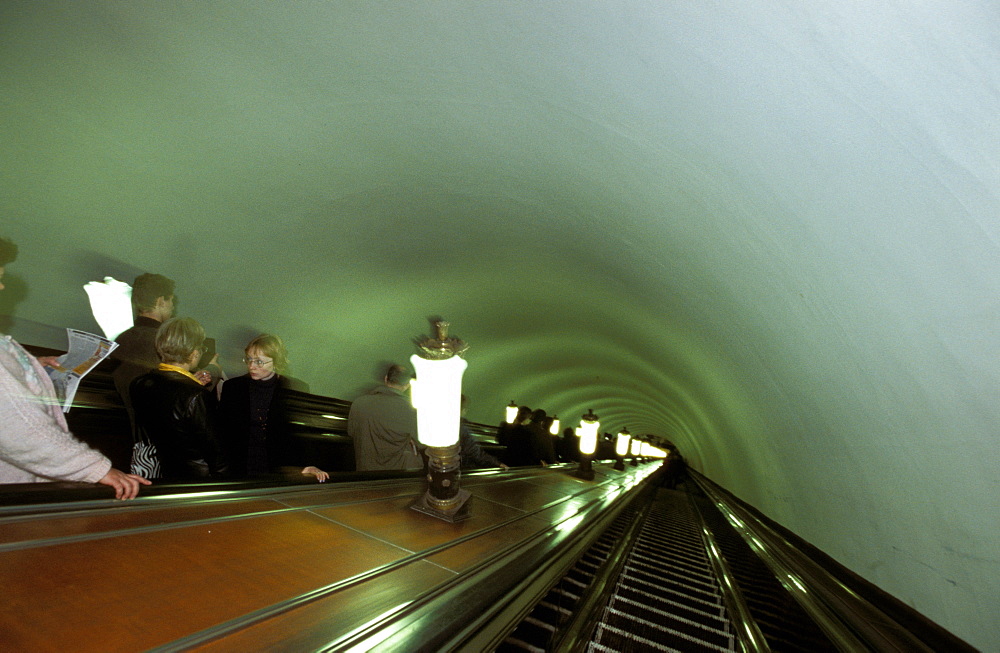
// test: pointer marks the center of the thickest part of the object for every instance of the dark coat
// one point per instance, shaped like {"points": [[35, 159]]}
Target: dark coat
{"points": [[473, 456], [234, 425], [529, 444], [134, 356], [171, 411]]}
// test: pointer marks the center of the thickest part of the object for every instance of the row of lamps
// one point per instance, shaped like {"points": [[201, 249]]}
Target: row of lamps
{"points": [[436, 394]]}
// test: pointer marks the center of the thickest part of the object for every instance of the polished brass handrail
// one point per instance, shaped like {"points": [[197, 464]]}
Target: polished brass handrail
{"points": [[851, 622], [478, 609], [577, 632], [748, 633]]}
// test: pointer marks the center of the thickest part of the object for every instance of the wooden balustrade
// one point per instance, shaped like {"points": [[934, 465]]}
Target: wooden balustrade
{"points": [[300, 567]]}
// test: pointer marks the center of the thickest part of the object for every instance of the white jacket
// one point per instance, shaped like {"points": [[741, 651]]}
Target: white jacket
{"points": [[35, 443]]}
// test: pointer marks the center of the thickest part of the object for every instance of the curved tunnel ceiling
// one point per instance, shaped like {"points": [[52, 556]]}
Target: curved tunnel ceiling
{"points": [[765, 231]]}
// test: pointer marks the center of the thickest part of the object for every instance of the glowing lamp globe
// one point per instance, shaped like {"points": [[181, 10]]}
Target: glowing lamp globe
{"points": [[437, 396], [621, 446], [587, 431], [511, 412], [111, 304]]}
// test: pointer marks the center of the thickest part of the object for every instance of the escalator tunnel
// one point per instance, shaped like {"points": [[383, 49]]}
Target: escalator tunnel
{"points": [[635, 560]]}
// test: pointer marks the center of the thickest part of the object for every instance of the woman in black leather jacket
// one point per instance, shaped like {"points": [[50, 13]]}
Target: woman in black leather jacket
{"points": [[170, 408]]}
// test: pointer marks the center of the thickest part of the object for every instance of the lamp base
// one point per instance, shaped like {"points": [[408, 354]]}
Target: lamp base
{"points": [[456, 511], [586, 468]]}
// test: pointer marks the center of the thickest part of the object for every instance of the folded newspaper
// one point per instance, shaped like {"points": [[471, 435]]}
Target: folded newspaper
{"points": [[86, 350]]}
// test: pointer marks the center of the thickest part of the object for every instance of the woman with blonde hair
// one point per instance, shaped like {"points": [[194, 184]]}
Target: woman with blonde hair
{"points": [[253, 414], [170, 406]]}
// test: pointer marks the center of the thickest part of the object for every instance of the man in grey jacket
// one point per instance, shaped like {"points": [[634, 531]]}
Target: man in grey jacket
{"points": [[383, 425]]}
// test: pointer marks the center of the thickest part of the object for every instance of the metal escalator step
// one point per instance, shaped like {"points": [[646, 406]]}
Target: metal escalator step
{"points": [[655, 551], [515, 643], [614, 638], [667, 597], [544, 625], [678, 582], [696, 625], [698, 578], [555, 608], [676, 594], [548, 613], [566, 593], [711, 615], [537, 630], [577, 583], [782, 621]]}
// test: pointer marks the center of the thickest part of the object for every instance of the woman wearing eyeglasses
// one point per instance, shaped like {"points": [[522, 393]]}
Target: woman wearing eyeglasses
{"points": [[253, 415]]}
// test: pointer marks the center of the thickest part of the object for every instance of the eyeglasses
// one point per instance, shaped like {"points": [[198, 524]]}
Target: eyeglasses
{"points": [[257, 361]]}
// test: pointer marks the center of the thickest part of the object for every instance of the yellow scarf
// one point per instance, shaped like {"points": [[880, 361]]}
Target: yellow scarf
{"points": [[167, 367]]}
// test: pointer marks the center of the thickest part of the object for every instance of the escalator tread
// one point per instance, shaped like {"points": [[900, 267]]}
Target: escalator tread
{"points": [[536, 631], [667, 597]]}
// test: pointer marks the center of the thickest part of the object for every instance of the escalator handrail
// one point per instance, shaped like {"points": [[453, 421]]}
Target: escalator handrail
{"points": [[851, 622], [481, 607], [577, 633], [748, 632]]}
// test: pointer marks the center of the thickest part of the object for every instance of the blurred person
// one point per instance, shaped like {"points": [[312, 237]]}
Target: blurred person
{"points": [[473, 456], [516, 438], [542, 442], [253, 414], [35, 442], [569, 446], [531, 443], [606, 447], [383, 425], [676, 470], [170, 406], [508, 429], [153, 302]]}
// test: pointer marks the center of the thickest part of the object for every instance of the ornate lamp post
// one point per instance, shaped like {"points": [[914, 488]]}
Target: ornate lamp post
{"points": [[554, 429], [621, 449], [437, 396], [587, 430], [633, 450]]}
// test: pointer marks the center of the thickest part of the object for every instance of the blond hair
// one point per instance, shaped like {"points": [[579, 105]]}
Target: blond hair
{"points": [[177, 338], [272, 346]]}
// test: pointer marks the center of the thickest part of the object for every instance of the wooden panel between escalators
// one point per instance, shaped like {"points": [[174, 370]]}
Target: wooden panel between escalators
{"points": [[332, 494], [313, 625], [391, 520], [146, 589], [132, 516]]}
